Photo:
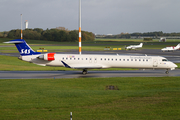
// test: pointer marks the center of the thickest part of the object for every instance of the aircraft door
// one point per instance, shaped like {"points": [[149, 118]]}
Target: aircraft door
{"points": [[155, 63]]}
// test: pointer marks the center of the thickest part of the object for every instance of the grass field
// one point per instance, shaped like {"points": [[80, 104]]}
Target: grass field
{"points": [[97, 45], [52, 99]]}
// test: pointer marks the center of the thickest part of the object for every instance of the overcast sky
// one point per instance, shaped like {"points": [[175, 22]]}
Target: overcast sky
{"points": [[98, 16]]}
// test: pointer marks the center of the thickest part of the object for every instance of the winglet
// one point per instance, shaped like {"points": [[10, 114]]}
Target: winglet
{"points": [[66, 65]]}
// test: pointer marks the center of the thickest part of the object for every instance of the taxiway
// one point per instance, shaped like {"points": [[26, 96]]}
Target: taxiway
{"points": [[91, 74]]}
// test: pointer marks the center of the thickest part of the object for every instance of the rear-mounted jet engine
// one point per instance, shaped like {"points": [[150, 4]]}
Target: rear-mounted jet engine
{"points": [[48, 56]]}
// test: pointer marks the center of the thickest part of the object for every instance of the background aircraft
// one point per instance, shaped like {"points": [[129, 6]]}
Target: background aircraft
{"points": [[90, 61], [168, 49], [134, 46]]}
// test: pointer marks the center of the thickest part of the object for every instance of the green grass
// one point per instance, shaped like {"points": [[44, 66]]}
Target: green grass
{"points": [[52, 99]]}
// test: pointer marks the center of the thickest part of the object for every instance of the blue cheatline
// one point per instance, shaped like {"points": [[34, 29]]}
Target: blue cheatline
{"points": [[66, 65]]}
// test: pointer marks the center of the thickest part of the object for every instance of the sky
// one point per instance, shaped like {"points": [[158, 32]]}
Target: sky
{"points": [[98, 16]]}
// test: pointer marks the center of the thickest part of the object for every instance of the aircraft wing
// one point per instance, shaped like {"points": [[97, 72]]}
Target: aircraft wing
{"points": [[82, 66]]}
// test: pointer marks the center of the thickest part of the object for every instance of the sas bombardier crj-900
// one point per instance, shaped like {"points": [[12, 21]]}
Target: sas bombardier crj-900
{"points": [[90, 61]]}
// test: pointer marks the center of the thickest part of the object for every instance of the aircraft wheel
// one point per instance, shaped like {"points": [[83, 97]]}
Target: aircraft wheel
{"points": [[167, 72], [84, 72]]}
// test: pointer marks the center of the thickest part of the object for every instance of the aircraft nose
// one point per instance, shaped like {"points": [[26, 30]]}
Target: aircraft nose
{"points": [[175, 65]]}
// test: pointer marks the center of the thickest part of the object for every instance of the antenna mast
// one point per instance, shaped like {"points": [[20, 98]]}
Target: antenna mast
{"points": [[21, 27], [80, 27]]}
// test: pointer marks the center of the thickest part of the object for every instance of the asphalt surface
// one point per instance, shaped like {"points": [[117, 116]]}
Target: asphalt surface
{"points": [[171, 56], [78, 74]]}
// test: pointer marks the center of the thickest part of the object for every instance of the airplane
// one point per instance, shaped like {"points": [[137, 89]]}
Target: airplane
{"points": [[134, 46], [91, 61], [168, 49]]}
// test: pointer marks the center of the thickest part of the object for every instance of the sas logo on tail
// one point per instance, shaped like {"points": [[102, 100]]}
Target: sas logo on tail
{"points": [[25, 51]]}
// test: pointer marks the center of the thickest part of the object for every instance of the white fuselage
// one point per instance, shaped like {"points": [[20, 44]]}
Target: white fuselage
{"points": [[170, 48], [135, 46], [103, 61]]}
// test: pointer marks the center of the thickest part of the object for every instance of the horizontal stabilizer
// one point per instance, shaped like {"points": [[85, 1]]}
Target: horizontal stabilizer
{"points": [[14, 42]]}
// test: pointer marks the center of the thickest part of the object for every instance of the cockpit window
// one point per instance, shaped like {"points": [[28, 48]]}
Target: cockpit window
{"points": [[164, 60]]}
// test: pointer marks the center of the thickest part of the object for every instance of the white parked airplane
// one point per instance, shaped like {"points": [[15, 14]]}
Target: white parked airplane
{"points": [[90, 61], [168, 49], [134, 46]]}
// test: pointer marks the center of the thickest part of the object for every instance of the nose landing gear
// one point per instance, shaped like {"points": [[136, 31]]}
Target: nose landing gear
{"points": [[167, 71]]}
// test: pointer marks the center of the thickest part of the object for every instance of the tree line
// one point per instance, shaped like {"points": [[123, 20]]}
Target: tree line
{"points": [[137, 34], [56, 34], [64, 35]]}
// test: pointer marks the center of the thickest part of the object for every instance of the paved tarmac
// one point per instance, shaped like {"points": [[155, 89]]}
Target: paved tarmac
{"points": [[78, 74]]}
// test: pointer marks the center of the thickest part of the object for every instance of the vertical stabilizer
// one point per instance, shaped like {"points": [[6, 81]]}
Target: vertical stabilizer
{"points": [[141, 44], [23, 47]]}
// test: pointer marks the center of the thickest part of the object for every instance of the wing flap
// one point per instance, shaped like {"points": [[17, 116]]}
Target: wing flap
{"points": [[87, 67], [82, 66]]}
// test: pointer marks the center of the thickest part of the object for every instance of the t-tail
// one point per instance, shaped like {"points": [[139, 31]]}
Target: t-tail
{"points": [[178, 46], [141, 44], [23, 48]]}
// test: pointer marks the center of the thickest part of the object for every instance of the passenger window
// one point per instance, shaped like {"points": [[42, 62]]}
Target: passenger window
{"points": [[112, 59], [119, 59], [78, 58], [131, 59], [127, 59], [86, 59], [101, 58]]}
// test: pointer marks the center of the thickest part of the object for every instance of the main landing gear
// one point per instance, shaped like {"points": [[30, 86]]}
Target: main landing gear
{"points": [[167, 71], [84, 72]]}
